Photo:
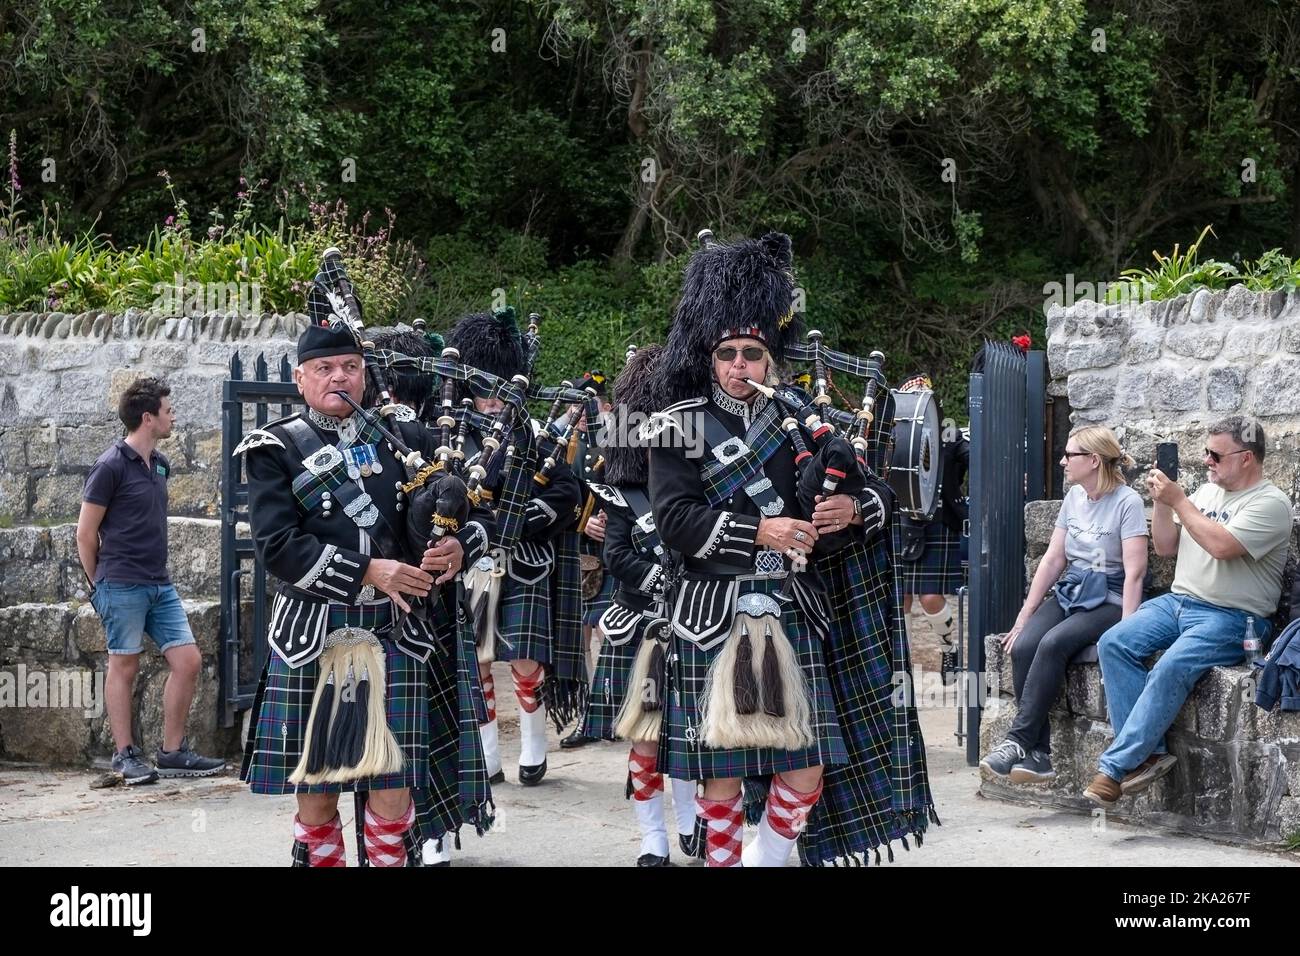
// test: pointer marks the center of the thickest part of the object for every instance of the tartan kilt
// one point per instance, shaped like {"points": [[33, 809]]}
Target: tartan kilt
{"points": [[613, 671], [524, 628], [938, 570], [593, 609], [280, 725], [443, 811], [684, 757], [856, 811]]}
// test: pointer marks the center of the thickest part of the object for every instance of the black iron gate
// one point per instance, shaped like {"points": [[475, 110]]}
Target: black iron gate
{"points": [[243, 613], [1007, 468]]}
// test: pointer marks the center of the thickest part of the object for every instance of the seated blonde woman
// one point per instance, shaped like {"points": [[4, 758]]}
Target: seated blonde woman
{"points": [[1094, 568]]}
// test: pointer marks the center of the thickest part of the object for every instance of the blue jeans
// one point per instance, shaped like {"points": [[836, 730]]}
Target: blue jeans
{"points": [[1143, 704], [130, 610]]}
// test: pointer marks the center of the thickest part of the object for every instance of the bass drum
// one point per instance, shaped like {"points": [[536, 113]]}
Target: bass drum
{"points": [[914, 466]]}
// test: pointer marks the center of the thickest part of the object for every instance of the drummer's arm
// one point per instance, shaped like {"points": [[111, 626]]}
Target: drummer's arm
{"points": [[956, 466]]}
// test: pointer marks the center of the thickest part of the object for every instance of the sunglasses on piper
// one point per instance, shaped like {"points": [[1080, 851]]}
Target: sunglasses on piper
{"points": [[1218, 456], [727, 353]]}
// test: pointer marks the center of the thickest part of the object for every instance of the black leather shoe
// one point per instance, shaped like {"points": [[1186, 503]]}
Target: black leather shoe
{"points": [[649, 859], [498, 777], [575, 740], [532, 776]]}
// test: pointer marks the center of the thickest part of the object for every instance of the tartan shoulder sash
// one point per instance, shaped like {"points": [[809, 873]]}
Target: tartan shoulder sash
{"points": [[324, 469], [737, 463]]}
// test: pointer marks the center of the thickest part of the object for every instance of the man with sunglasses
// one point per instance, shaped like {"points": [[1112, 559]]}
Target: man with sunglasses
{"points": [[1231, 537], [750, 696]]}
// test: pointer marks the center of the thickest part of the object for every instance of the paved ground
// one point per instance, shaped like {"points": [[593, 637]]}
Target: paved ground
{"points": [[577, 817]]}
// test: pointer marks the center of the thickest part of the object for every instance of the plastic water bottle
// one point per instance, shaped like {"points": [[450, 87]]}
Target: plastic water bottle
{"points": [[1251, 644]]}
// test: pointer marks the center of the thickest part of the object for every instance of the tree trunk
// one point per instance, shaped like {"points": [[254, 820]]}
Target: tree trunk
{"points": [[636, 222], [639, 128]]}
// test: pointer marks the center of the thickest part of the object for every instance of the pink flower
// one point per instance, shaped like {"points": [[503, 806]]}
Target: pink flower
{"points": [[14, 182], [169, 221]]}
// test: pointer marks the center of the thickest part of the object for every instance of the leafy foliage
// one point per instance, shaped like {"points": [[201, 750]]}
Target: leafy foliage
{"points": [[937, 161]]}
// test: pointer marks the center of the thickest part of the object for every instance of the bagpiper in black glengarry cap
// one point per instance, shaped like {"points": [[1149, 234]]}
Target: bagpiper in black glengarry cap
{"points": [[323, 341], [343, 704]]}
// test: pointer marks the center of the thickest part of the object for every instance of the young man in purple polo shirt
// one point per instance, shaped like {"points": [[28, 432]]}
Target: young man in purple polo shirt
{"points": [[122, 542]]}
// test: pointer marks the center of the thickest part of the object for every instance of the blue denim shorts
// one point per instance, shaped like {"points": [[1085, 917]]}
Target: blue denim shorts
{"points": [[130, 610]]}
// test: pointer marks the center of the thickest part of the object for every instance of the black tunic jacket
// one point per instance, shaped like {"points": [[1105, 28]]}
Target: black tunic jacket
{"points": [[320, 550]]}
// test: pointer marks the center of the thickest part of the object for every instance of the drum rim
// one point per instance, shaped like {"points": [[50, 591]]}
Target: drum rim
{"points": [[914, 426]]}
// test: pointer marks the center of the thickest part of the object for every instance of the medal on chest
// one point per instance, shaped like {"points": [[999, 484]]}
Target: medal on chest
{"points": [[362, 461]]}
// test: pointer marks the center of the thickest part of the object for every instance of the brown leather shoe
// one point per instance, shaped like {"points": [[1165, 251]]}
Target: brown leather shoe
{"points": [[1104, 791], [1147, 773]]}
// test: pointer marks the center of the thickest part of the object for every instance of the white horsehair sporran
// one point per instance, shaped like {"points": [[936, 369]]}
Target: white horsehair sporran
{"points": [[348, 737]]}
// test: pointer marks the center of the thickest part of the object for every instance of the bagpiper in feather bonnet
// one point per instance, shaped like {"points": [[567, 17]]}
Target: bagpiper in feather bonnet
{"points": [[743, 289]]}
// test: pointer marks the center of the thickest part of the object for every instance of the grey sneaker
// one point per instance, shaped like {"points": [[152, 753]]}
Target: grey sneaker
{"points": [[130, 763], [186, 763], [1036, 768], [1002, 758]]}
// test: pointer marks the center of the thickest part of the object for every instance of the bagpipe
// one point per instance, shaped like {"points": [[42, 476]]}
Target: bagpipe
{"points": [[438, 499], [894, 435], [841, 457], [897, 433], [554, 438]]}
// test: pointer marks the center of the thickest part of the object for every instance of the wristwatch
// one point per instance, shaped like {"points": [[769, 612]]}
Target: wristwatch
{"points": [[857, 507]]}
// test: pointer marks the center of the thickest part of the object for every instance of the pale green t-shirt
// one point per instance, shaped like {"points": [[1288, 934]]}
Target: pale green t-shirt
{"points": [[1260, 518]]}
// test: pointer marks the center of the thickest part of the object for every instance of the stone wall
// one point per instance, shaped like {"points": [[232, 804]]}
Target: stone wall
{"points": [[1165, 370], [48, 628], [60, 379]]}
